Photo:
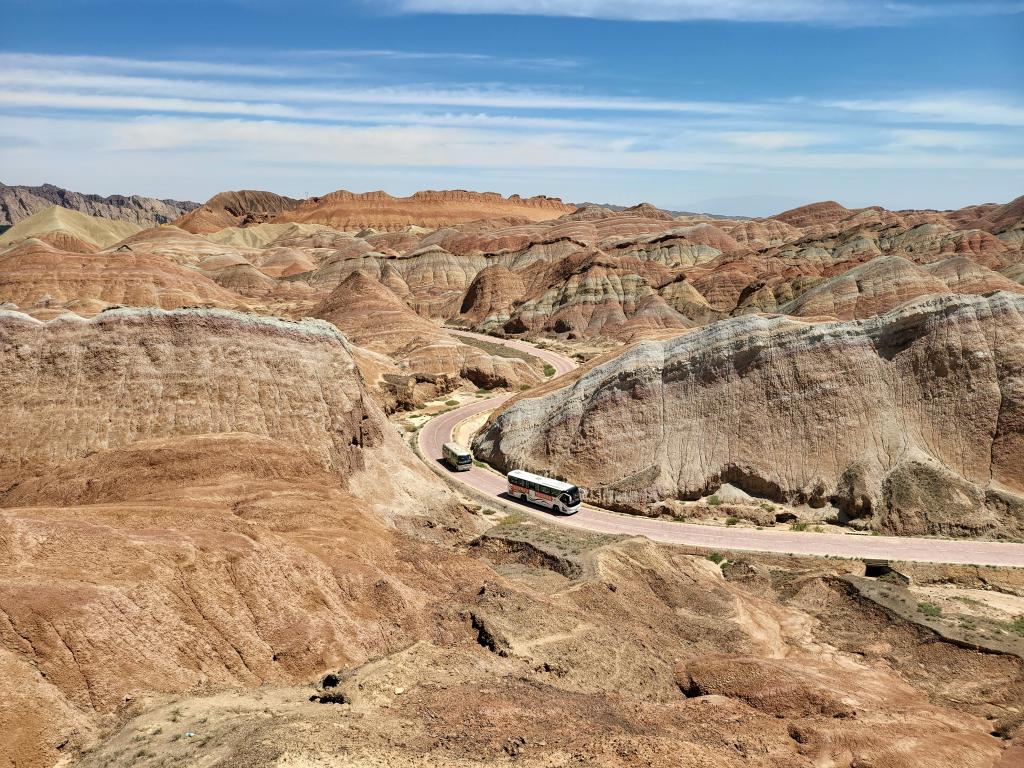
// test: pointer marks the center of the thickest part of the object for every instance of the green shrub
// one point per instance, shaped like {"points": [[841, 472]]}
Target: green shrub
{"points": [[799, 526], [513, 519], [549, 369], [524, 387], [714, 501], [731, 520], [451, 402], [1017, 625], [716, 557], [929, 609], [483, 392], [411, 427]]}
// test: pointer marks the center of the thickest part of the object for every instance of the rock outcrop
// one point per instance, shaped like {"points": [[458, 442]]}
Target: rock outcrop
{"points": [[354, 212], [19, 202], [39, 278], [193, 500], [142, 374], [912, 421], [826, 212], [372, 316], [235, 209], [62, 227], [878, 286]]}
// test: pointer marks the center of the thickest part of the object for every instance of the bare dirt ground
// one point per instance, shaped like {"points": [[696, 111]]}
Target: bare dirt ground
{"points": [[587, 649]]}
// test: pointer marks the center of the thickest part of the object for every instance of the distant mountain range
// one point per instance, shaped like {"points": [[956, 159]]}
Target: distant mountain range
{"points": [[19, 202], [611, 207]]}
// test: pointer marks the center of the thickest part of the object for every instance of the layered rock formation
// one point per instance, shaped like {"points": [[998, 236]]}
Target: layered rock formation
{"points": [[646, 657], [354, 212], [152, 374], [68, 229], [42, 279], [189, 500], [235, 209], [912, 421], [19, 202], [372, 316], [878, 286]]}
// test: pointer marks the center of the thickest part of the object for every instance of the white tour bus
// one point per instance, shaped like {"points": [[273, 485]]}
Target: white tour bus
{"points": [[554, 494], [457, 457]]}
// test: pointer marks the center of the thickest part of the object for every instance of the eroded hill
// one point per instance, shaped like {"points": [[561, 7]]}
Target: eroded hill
{"points": [[217, 550], [910, 422]]}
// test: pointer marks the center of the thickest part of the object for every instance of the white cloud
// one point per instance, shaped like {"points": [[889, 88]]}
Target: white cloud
{"points": [[280, 141], [430, 56], [466, 96], [63, 63], [770, 140], [199, 119], [845, 12], [926, 138], [966, 109]]}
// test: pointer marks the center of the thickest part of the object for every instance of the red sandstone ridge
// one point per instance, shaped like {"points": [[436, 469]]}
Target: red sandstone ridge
{"points": [[825, 212], [380, 211], [235, 209]]}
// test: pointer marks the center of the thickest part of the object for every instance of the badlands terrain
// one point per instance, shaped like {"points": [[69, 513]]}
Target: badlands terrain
{"points": [[219, 546]]}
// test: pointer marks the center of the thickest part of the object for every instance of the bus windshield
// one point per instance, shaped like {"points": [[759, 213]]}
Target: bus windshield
{"points": [[465, 458]]}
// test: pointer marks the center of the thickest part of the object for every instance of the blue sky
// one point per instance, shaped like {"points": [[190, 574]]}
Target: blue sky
{"points": [[734, 106]]}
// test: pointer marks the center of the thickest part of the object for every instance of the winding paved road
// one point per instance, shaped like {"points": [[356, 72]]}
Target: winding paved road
{"points": [[439, 429]]}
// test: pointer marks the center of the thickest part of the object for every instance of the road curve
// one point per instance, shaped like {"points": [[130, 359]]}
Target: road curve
{"points": [[561, 363], [438, 431]]}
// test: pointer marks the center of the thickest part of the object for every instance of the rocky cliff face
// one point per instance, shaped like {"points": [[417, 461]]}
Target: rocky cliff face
{"points": [[189, 500], [373, 316], [17, 202], [235, 209], [20, 202], [44, 280], [128, 375], [913, 420], [380, 211]]}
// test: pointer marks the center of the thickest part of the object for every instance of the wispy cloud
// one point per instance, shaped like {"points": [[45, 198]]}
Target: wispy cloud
{"points": [[231, 120], [116, 64], [775, 139], [963, 108], [493, 97], [841, 12], [927, 138], [432, 56]]}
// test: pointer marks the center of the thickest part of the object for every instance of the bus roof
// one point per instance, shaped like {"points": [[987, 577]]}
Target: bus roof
{"points": [[556, 485], [457, 449]]}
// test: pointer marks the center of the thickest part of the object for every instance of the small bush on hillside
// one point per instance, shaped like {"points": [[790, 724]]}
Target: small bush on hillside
{"points": [[714, 501], [799, 527], [731, 520], [716, 557], [549, 369], [451, 402], [514, 519], [929, 609]]}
